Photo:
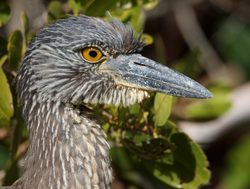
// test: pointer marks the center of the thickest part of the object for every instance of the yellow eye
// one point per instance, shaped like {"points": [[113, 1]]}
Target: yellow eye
{"points": [[91, 54]]}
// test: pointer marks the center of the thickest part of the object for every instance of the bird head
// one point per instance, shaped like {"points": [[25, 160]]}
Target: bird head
{"points": [[86, 59]]}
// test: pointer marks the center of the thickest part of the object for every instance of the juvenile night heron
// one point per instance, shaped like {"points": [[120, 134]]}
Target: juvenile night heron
{"points": [[78, 61]]}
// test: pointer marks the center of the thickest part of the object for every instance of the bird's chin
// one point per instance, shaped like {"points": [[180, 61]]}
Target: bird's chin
{"points": [[133, 95], [118, 95]]}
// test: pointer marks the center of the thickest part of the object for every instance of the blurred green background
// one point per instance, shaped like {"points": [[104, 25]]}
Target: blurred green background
{"points": [[165, 142]]}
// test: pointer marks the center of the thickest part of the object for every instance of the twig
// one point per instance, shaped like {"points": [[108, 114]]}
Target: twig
{"points": [[195, 38]]}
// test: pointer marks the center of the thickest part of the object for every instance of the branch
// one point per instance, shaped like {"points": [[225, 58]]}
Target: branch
{"points": [[207, 132]]}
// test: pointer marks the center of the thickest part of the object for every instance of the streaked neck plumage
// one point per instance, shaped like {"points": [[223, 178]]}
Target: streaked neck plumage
{"points": [[67, 149]]}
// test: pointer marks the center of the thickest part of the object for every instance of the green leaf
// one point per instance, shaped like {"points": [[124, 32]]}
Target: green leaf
{"points": [[105, 127], [80, 6], [25, 25], [210, 108], [119, 155], [237, 173], [4, 12], [168, 177], [148, 149], [55, 11], [133, 15], [4, 156], [99, 8], [148, 39], [188, 169], [201, 173], [15, 45], [150, 4], [3, 46], [134, 109], [137, 18], [162, 108], [12, 173], [6, 107]]}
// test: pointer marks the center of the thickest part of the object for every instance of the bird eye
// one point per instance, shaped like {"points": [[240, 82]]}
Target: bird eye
{"points": [[92, 54]]}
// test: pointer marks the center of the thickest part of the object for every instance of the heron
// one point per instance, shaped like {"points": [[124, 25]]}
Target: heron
{"points": [[70, 65]]}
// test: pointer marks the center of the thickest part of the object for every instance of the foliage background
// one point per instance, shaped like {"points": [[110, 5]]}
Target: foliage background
{"points": [[206, 40]]}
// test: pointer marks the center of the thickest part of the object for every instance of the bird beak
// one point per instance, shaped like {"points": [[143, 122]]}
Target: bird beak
{"points": [[139, 72]]}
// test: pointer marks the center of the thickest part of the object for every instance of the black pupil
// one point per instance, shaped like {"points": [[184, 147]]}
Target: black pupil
{"points": [[93, 54]]}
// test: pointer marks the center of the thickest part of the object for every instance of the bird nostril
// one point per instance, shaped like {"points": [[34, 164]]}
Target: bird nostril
{"points": [[141, 64], [138, 63]]}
